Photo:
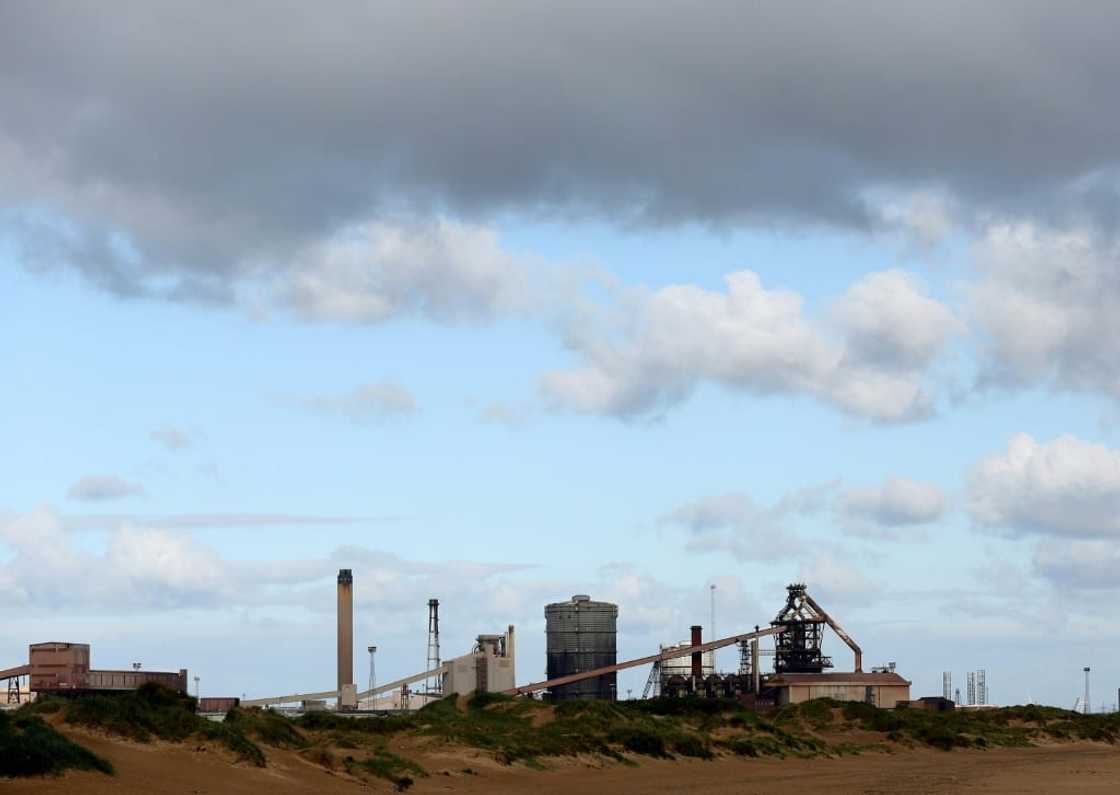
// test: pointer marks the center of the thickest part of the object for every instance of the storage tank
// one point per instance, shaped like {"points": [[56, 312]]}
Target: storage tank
{"points": [[682, 666], [581, 636]]}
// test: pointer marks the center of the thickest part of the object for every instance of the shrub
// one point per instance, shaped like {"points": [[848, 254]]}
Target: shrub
{"points": [[267, 726], [320, 756], [639, 740], [691, 745], [741, 746], [388, 766]]}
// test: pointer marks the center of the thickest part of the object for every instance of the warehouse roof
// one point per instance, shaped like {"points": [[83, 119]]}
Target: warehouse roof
{"points": [[838, 678]]}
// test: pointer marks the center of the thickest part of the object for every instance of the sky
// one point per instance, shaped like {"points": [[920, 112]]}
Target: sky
{"points": [[503, 303]]}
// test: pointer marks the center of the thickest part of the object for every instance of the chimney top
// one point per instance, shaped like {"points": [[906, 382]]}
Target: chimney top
{"points": [[345, 577]]}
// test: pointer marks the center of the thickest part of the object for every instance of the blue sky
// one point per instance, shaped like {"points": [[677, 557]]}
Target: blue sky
{"points": [[627, 368]]}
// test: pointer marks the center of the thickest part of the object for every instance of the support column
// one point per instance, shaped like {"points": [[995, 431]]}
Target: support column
{"points": [[756, 678]]}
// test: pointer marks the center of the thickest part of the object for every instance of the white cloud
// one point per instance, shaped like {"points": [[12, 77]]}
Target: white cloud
{"points": [[736, 524], [139, 567], [141, 570], [511, 415], [758, 340], [834, 580], [444, 270], [1067, 487], [889, 321], [364, 403], [898, 502], [103, 487], [1048, 301], [190, 521]]}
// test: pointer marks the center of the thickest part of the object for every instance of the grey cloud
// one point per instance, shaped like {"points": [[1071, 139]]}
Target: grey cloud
{"points": [[1067, 487], [1079, 565], [363, 404], [103, 487], [172, 438], [758, 340], [217, 142], [899, 502]]}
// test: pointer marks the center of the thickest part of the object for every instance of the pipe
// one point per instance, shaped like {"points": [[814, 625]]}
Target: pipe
{"points": [[844, 636], [755, 676], [697, 657], [671, 653]]}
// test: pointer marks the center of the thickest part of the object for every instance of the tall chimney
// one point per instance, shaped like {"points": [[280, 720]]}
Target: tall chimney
{"points": [[345, 628], [697, 657]]}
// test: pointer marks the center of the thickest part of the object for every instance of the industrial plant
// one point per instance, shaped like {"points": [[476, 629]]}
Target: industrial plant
{"points": [[581, 663], [63, 669]]}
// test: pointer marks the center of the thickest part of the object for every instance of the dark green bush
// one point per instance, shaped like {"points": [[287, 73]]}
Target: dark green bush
{"points": [[639, 740], [691, 745], [388, 766], [269, 727]]}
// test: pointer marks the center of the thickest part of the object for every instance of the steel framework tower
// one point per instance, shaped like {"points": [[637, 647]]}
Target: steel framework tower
{"points": [[653, 683], [982, 686], [947, 685], [798, 648], [433, 686], [971, 687]]}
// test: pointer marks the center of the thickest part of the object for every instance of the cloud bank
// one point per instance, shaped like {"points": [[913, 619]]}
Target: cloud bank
{"points": [[92, 488], [758, 340]]}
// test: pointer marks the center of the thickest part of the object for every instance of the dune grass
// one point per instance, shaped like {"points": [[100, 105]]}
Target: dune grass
{"points": [[154, 711], [515, 730], [31, 747]]}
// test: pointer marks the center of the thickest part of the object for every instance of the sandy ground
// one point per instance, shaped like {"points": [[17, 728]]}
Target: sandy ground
{"points": [[164, 768]]}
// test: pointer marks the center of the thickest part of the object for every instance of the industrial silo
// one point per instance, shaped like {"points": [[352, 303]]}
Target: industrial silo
{"points": [[581, 636]]}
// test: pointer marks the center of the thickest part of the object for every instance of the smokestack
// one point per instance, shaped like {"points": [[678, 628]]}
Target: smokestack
{"points": [[345, 628], [697, 657]]}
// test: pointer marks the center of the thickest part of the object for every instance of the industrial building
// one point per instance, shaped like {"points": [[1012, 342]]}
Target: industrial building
{"points": [[58, 668], [581, 663], [799, 662], [488, 668], [884, 689], [581, 635]]}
